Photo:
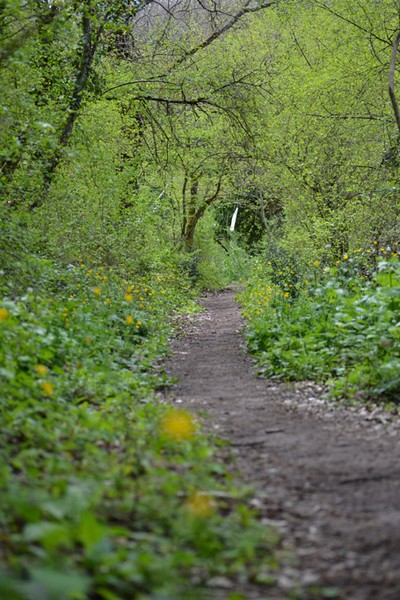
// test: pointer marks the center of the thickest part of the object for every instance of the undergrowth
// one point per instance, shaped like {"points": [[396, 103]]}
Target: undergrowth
{"points": [[339, 324], [106, 492]]}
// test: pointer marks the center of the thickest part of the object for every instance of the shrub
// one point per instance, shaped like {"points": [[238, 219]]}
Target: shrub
{"points": [[343, 327]]}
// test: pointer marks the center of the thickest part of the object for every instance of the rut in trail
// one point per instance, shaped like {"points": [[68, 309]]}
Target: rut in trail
{"points": [[330, 481]]}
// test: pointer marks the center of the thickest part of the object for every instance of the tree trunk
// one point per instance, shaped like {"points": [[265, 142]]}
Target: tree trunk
{"points": [[89, 47], [392, 69], [262, 209], [196, 212], [190, 219]]}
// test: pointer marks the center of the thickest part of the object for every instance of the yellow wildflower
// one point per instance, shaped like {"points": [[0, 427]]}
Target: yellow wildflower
{"points": [[4, 314], [41, 370], [97, 291], [178, 425], [47, 387], [128, 297], [316, 263], [200, 504], [129, 319]]}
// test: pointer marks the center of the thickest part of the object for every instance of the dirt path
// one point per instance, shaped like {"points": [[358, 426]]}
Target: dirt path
{"points": [[329, 480]]}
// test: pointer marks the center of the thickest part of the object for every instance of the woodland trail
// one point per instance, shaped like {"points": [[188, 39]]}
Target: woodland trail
{"points": [[328, 479]]}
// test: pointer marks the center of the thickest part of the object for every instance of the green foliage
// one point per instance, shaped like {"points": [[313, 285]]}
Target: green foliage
{"points": [[209, 255], [236, 262], [283, 269], [100, 498], [320, 144], [219, 263], [249, 229], [342, 327]]}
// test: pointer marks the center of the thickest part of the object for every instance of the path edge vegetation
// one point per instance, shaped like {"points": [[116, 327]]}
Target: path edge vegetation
{"points": [[336, 324], [106, 490]]}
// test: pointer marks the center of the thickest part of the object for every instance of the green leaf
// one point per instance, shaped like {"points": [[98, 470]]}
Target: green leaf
{"points": [[50, 535], [90, 531], [47, 584]]}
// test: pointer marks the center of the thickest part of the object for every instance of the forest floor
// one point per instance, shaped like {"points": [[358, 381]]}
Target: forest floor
{"points": [[327, 478]]}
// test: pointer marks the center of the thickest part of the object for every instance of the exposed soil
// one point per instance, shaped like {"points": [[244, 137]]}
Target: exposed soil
{"points": [[327, 478]]}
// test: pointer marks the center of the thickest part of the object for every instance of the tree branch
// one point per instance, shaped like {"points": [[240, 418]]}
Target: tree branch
{"points": [[195, 103], [392, 69], [347, 117], [205, 43], [350, 21], [245, 10]]}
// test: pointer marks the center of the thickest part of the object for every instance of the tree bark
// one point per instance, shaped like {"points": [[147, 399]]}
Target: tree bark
{"points": [[262, 209], [195, 214], [190, 219], [392, 70], [89, 47], [184, 206]]}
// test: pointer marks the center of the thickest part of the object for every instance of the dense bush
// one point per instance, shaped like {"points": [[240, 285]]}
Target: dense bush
{"points": [[343, 327]]}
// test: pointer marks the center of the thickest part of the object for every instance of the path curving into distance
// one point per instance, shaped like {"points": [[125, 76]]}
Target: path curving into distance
{"points": [[329, 479]]}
